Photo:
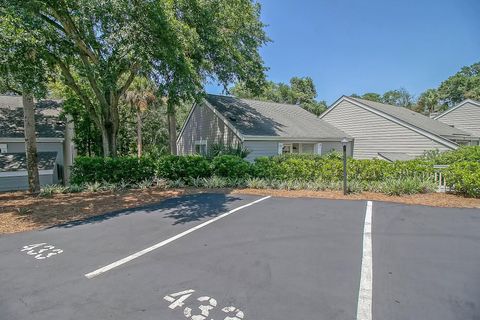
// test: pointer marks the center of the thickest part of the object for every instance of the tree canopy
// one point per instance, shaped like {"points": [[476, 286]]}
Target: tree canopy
{"points": [[299, 91], [101, 46], [465, 84]]}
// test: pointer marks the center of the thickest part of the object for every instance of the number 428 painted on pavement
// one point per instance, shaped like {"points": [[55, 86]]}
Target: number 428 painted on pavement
{"points": [[207, 304]]}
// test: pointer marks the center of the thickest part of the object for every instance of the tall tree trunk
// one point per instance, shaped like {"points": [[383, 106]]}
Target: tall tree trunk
{"points": [[139, 133], [109, 140], [172, 129], [30, 142]]}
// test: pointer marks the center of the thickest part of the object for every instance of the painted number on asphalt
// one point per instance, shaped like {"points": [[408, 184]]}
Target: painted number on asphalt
{"points": [[202, 311], [41, 251]]}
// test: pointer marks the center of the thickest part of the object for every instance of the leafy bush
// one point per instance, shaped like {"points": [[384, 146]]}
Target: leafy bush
{"points": [[51, 189], [220, 149], [182, 167], [464, 178], [410, 185], [231, 167], [465, 153], [111, 170]]}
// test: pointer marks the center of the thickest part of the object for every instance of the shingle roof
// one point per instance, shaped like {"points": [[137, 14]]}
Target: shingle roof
{"points": [[48, 124], [396, 156], [260, 118], [415, 119], [18, 161], [464, 102]]}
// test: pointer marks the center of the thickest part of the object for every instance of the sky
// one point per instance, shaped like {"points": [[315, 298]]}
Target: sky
{"points": [[359, 46]]}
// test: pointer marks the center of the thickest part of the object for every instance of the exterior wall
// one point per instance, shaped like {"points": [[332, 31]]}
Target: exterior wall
{"points": [[466, 117], [261, 149], [373, 133], [205, 125], [270, 148], [21, 183]]}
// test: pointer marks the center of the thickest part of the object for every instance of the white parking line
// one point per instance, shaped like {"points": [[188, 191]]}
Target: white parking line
{"points": [[115, 264], [364, 308]]}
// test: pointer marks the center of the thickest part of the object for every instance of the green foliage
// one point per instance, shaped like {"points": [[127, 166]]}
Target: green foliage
{"points": [[50, 190], [399, 98], [406, 186], [111, 170], [231, 167], [182, 167], [100, 46], [464, 178], [462, 85], [219, 149], [465, 153]]}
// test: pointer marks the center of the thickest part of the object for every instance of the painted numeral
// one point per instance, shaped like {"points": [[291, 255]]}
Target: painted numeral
{"points": [[208, 304], [204, 308], [238, 314], [41, 251], [178, 298]]}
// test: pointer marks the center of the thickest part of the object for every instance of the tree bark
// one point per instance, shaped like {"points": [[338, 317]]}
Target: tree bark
{"points": [[109, 140], [172, 129], [139, 133], [30, 142]]}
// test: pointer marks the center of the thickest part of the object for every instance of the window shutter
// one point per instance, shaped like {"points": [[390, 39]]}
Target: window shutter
{"points": [[318, 148], [280, 148]]}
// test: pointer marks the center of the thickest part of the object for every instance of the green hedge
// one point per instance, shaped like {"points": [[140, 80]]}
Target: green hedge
{"points": [[463, 176], [231, 166], [182, 167], [462, 154], [111, 170]]}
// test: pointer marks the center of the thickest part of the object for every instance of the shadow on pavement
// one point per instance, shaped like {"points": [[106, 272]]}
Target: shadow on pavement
{"points": [[181, 210]]}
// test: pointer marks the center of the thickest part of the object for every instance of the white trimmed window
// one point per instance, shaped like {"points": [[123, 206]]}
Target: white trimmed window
{"points": [[284, 148], [3, 148], [201, 147], [287, 148]]}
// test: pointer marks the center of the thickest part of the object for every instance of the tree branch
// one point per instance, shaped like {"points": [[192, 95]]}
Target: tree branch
{"points": [[70, 81], [93, 83], [71, 30]]}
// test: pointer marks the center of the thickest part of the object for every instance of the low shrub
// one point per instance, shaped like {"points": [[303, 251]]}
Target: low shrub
{"points": [[182, 167], [464, 178], [111, 170], [409, 185], [231, 167], [51, 189], [220, 149], [462, 154], [256, 183]]}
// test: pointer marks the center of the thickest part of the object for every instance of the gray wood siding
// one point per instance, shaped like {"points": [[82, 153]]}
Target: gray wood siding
{"points": [[261, 149], [466, 117], [373, 133], [205, 125]]}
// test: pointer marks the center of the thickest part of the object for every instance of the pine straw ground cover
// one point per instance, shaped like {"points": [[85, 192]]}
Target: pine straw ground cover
{"points": [[22, 212]]}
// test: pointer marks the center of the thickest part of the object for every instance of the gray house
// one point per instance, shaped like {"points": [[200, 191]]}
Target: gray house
{"points": [[54, 144], [390, 132], [264, 128], [464, 116]]}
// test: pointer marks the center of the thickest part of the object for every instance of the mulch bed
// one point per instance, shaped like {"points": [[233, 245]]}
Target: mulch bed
{"points": [[20, 211]]}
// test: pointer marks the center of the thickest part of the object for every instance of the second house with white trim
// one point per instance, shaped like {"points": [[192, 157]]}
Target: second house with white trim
{"points": [[264, 128], [392, 133]]}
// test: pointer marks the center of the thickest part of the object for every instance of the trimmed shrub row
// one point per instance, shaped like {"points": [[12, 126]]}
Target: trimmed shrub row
{"points": [[463, 177]]}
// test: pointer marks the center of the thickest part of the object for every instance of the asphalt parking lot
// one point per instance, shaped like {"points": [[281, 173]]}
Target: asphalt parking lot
{"points": [[232, 257]]}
